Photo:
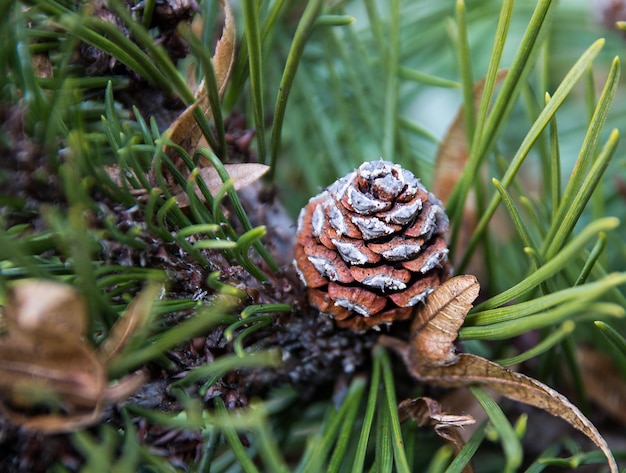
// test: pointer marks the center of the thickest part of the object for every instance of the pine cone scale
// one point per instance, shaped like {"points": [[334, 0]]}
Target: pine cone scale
{"points": [[355, 251], [358, 202], [398, 248]]}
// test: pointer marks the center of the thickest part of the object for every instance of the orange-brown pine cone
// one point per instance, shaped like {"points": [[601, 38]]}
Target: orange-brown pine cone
{"points": [[371, 246]]}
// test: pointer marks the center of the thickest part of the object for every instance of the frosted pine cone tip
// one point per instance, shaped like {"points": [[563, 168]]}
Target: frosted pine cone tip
{"points": [[371, 246]]}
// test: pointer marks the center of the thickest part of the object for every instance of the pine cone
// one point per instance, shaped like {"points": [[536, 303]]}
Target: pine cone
{"points": [[371, 246]]}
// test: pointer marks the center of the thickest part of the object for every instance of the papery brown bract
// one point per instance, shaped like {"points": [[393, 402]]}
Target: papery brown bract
{"points": [[46, 306], [436, 324], [426, 411], [47, 364], [185, 131], [135, 316]]}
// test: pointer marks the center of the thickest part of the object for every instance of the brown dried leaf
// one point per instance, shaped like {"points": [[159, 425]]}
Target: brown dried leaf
{"points": [[241, 174], [438, 365], [45, 363], [185, 131], [47, 306], [36, 361], [135, 316], [427, 411], [224, 58], [52, 423], [474, 370], [65, 374], [436, 324]]}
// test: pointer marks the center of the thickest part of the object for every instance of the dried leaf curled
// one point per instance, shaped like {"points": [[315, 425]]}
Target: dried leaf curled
{"points": [[48, 306], [436, 324], [53, 423], [44, 360], [473, 370], [429, 357], [185, 131], [427, 411], [41, 361], [51, 379], [135, 316]]}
